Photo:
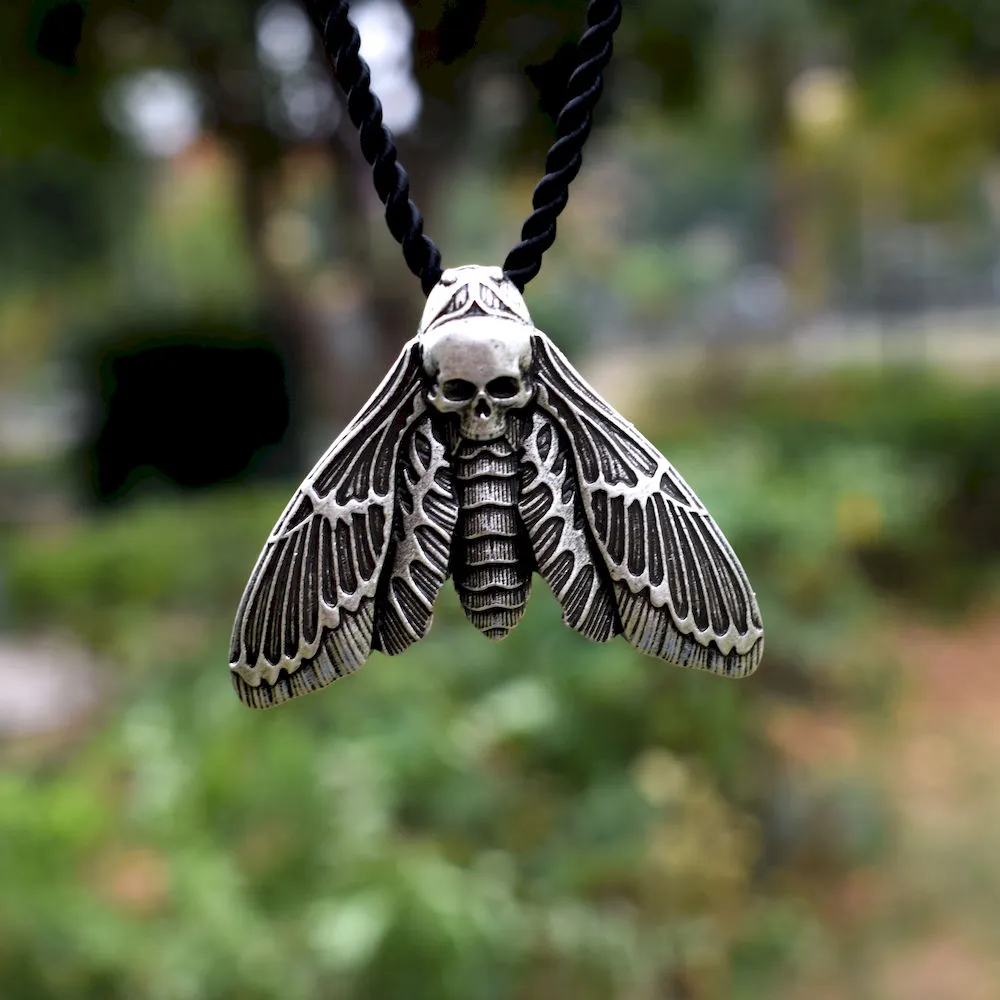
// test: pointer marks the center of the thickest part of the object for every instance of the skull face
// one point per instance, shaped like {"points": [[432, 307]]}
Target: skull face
{"points": [[480, 372], [476, 341]]}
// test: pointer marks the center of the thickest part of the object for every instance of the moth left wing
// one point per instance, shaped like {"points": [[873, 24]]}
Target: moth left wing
{"points": [[309, 611], [680, 591]]}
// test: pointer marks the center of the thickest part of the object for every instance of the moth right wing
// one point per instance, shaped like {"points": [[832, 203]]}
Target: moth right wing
{"points": [[551, 509], [680, 592]]}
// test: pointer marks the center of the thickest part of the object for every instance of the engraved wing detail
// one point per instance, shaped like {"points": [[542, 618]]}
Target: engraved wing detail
{"points": [[357, 557], [551, 510], [679, 590], [529, 470], [423, 528]]}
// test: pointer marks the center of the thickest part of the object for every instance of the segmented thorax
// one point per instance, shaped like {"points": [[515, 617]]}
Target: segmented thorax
{"points": [[491, 572]]}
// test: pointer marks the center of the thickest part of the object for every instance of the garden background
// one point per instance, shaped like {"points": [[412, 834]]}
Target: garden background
{"points": [[781, 259]]}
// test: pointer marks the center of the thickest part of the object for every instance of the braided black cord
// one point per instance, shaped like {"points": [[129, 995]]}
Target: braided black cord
{"points": [[565, 157], [341, 43]]}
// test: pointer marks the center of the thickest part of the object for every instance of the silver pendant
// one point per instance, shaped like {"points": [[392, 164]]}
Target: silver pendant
{"points": [[485, 456]]}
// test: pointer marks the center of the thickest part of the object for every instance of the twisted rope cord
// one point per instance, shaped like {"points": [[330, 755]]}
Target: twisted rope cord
{"points": [[342, 43], [565, 156]]}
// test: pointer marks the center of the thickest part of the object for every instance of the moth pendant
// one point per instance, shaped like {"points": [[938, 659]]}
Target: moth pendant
{"points": [[485, 456]]}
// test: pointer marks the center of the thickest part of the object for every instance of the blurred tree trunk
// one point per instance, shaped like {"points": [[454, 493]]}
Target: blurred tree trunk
{"points": [[234, 109], [339, 355]]}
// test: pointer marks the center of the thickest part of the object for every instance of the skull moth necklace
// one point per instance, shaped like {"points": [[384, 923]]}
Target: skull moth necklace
{"points": [[484, 456]]}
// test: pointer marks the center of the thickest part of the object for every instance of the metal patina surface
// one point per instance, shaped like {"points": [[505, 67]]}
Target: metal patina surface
{"points": [[486, 457]]}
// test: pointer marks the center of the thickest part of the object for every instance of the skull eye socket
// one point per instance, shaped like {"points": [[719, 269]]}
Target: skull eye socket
{"points": [[503, 387], [457, 390]]}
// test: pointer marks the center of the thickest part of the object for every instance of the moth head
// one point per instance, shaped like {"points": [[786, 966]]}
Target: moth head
{"points": [[476, 340], [480, 372], [473, 292]]}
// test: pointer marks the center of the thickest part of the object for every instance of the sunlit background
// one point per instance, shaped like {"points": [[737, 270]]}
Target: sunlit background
{"points": [[782, 259]]}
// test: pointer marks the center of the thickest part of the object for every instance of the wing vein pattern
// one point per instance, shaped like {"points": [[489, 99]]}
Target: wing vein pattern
{"points": [[346, 569], [680, 592], [552, 513]]}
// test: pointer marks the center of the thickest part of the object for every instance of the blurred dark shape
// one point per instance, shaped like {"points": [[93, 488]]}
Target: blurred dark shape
{"points": [[551, 78], [458, 30], [59, 33], [962, 31], [52, 217], [196, 406], [672, 41], [57, 154]]}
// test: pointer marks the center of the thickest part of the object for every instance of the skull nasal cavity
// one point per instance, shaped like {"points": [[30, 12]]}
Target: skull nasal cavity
{"points": [[482, 408], [503, 387], [458, 390]]}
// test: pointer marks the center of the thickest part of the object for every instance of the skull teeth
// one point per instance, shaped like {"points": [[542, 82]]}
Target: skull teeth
{"points": [[489, 298], [458, 300]]}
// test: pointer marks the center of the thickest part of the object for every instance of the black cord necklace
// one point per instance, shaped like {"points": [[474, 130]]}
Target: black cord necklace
{"points": [[342, 44], [484, 456]]}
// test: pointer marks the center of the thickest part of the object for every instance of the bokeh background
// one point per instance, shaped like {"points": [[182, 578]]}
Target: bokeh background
{"points": [[782, 259]]}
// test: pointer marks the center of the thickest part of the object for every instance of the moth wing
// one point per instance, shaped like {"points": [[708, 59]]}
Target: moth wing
{"points": [[681, 593], [416, 567], [309, 612], [551, 509]]}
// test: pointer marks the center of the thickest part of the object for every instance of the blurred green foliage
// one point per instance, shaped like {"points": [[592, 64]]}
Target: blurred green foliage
{"points": [[542, 818]]}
